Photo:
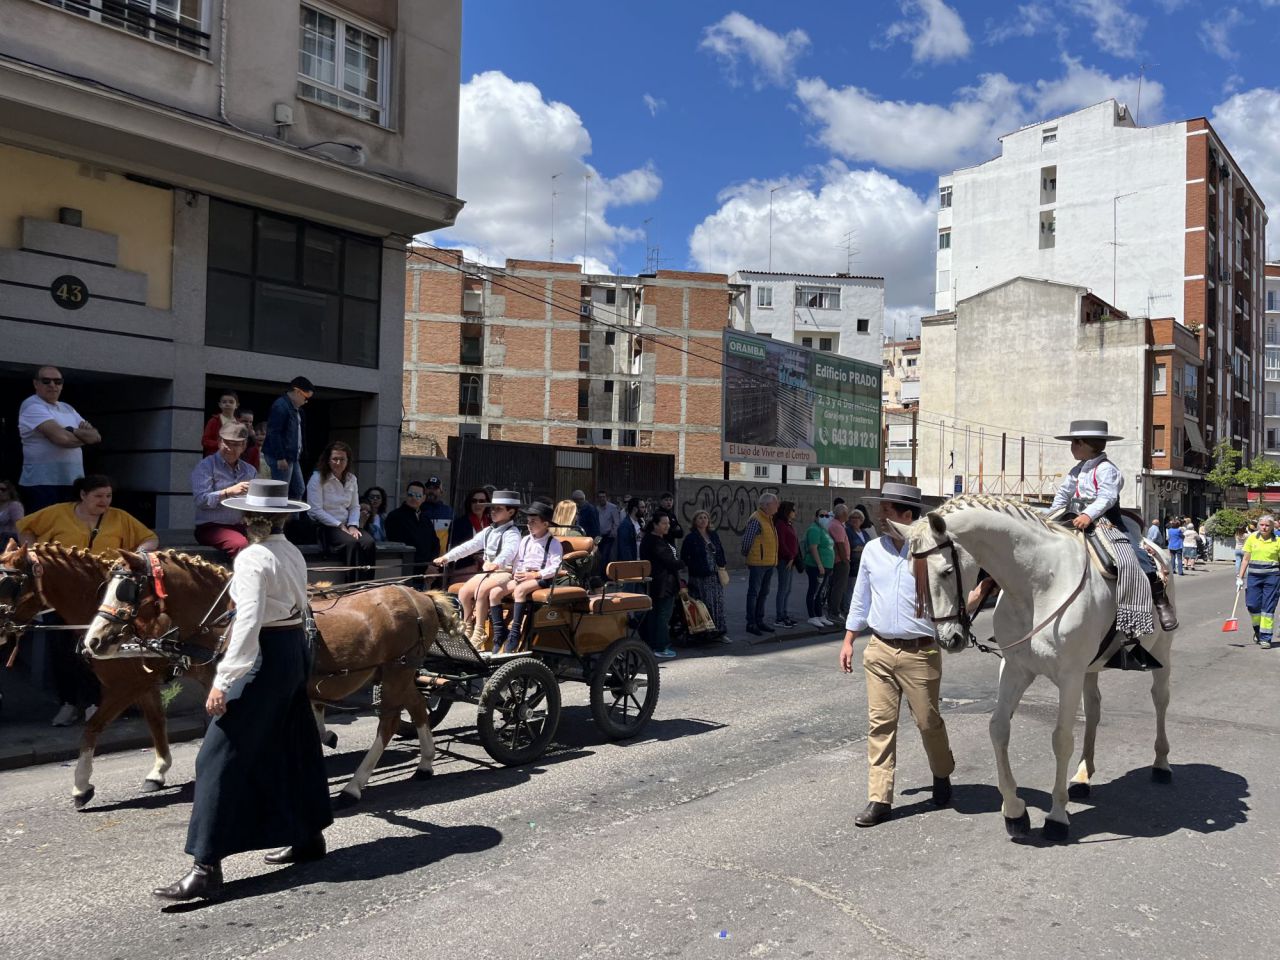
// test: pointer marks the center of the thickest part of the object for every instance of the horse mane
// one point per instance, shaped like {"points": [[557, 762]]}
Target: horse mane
{"points": [[55, 553], [196, 566], [1011, 508]]}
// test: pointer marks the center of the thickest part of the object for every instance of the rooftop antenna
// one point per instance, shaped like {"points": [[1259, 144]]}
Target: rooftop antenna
{"points": [[1142, 70], [850, 251], [551, 256]]}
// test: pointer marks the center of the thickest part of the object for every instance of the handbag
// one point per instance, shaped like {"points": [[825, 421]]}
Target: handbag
{"points": [[723, 574]]}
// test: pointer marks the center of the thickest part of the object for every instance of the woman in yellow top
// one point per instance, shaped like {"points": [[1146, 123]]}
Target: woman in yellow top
{"points": [[88, 521], [1260, 574]]}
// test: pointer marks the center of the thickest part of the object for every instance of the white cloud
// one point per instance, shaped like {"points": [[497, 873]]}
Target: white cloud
{"points": [[772, 56], [1116, 28], [654, 104], [511, 143], [894, 230], [1029, 20], [1216, 34], [935, 31], [856, 125], [1249, 124]]}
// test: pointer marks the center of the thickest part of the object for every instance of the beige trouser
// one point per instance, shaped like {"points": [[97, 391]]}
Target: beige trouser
{"points": [[891, 674]]}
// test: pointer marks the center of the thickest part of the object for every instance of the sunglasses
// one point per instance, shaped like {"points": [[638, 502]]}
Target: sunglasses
{"points": [[51, 381], [415, 496], [375, 496], [479, 501]]}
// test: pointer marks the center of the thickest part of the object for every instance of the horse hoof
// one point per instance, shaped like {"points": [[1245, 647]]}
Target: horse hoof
{"points": [[1161, 775], [82, 799], [345, 801], [1056, 831], [151, 786], [1018, 826], [423, 774], [1078, 790], [330, 740]]}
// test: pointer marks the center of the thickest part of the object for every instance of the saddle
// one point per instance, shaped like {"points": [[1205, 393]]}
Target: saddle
{"points": [[1100, 549]]}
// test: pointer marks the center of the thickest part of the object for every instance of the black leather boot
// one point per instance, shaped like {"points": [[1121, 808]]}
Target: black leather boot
{"points": [[1164, 606], [204, 881], [313, 849], [876, 812], [499, 628]]}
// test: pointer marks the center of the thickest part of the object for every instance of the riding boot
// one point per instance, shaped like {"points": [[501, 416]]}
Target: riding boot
{"points": [[517, 627], [499, 627], [204, 881], [1164, 606]]}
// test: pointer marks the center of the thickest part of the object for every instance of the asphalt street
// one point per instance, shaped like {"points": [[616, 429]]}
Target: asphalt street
{"points": [[724, 831]]}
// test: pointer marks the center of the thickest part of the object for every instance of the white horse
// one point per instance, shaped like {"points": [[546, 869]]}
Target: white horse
{"points": [[1055, 607]]}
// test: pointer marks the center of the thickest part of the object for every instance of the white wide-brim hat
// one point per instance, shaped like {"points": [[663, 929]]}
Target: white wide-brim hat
{"points": [[266, 496], [1088, 430]]}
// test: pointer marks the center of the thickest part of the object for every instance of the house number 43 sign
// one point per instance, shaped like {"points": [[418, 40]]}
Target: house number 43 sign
{"points": [[70, 293]]}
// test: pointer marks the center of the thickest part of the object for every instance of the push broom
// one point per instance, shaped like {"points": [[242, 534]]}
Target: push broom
{"points": [[1231, 624]]}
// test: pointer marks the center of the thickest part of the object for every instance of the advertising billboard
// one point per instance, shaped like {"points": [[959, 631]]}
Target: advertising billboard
{"points": [[782, 403]]}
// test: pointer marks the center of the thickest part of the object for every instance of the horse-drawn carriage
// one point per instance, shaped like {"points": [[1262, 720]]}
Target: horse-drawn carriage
{"points": [[578, 633]]}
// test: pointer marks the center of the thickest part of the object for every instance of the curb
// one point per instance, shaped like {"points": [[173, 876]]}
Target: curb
{"points": [[779, 636], [16, 756]]}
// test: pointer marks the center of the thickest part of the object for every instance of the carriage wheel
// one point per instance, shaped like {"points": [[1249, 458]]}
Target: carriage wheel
{"points": [[624, 688], [519, 711]]}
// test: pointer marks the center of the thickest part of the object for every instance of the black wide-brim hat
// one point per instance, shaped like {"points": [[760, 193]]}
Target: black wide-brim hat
{"points": [[1088, 430], [540, 509]]}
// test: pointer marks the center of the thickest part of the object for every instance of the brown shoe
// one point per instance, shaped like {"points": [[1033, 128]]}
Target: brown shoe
{"points": [[876, 812]]}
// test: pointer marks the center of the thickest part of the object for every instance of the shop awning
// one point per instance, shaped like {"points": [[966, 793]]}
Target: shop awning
{"points": [[1194, 438]]}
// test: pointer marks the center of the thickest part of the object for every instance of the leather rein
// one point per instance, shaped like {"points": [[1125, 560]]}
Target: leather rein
{"points": [[924, 599]]}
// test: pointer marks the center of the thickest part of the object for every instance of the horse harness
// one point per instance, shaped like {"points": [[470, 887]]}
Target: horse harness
{"points": [[924, 599]]}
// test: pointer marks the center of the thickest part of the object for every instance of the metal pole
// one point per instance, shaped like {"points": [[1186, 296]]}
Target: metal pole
{"points": [[771, 193], [914, 446]]}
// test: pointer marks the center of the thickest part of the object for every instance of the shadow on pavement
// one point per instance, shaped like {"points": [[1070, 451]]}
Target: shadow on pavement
{"points": [[373, 860]]}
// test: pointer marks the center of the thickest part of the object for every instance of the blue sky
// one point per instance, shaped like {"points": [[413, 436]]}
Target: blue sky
{"points": [[689, 115]]}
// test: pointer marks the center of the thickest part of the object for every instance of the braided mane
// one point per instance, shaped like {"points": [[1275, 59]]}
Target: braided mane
{"points": [[195, 565], [54, 552], [1012, 508]]}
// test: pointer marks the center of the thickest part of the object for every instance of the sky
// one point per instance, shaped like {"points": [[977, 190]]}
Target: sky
{"points": [[675, 126]]}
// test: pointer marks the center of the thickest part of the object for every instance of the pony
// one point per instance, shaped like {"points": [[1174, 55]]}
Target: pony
{"points": [[1056, 605], [384, 630], [68, 580]]}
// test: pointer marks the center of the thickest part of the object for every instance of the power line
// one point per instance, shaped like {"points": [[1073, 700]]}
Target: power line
{"points": [[572, 305]]}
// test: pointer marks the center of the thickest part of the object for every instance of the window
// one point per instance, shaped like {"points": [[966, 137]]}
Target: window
{"points": [[944, 281], [471, 350], [764, 297], [608, 386], [1273, 301], [611, 296], [912, 361], [824, 343], [1271, 438], [584, 353], [818, 298], [1272, 370], [1157, 440], [760, 472], [806, 342], [175, 23], [944, 197], [342, 66], [291, 288], [864, 324], [1048, 185], [813, 473], [468, 395], [1158, 381], [1177, 442], [610, 338], [1048, 229], [606, 435], [1048, 135], [944, 239], [1177, 381]]}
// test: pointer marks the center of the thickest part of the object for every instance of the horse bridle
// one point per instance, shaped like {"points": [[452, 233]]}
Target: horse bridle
{"points": [[924, 598]]}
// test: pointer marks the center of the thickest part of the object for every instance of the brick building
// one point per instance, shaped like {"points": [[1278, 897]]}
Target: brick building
{"points": [[540, 352]]}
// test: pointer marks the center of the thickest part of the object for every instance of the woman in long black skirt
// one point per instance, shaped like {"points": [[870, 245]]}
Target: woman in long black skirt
{"points": [[260, 779]]}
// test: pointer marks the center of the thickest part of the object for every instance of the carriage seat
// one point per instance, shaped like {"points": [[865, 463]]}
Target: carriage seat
{"points": [[559, 594], [618, 602], [575, 548]]}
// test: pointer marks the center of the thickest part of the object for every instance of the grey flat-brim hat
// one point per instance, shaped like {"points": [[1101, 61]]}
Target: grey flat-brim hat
{"points": [[266, 496], [1088, 430], [505, 498], [901, 493]]}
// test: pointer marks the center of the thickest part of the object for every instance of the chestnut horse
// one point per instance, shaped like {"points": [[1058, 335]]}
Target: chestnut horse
{"points": [[385, 630], [68, 580]]}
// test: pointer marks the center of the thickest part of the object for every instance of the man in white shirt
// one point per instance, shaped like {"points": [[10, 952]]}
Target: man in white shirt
{"points": [[902, 658], [53, 439], [610, 520]]}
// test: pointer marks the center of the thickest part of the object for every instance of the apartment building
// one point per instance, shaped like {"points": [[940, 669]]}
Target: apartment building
{"points": [[540, 352], [1157, 221], [838, 313], [900, 386], [1010, 367], [1271, 404], [215, 195]]}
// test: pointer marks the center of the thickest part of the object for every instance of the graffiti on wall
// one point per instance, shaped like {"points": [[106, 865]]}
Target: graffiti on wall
{"points": [[730, 505]]}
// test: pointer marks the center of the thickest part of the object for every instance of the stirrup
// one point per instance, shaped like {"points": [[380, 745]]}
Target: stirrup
{"points": [[1132, 656]]}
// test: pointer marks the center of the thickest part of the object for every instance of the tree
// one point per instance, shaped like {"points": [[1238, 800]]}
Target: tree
{"points": [[1226, 466], [1259, 474]]}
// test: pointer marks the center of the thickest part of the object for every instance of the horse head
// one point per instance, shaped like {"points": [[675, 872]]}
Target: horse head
{"points": [[21, 596], [941, 569], [132, 607]]}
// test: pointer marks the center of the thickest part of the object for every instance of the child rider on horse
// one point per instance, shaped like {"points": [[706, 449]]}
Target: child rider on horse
{"points": [[1091, 491]]}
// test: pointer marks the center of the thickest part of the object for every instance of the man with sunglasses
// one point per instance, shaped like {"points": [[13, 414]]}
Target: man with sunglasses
{"points": [[53, 436], [411, 524]]}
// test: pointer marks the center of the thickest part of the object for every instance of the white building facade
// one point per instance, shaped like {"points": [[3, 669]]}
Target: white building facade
{"points": [[837, 313], [1157, 221], [1271, 370]]}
